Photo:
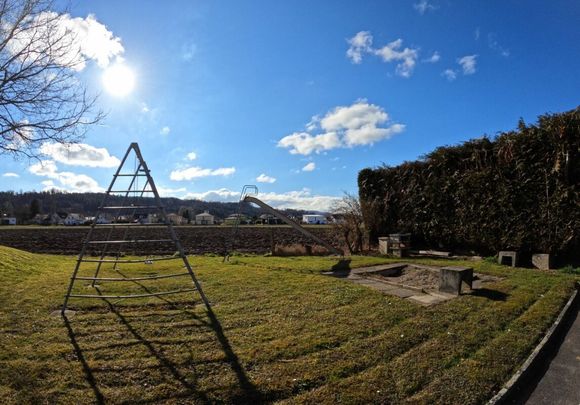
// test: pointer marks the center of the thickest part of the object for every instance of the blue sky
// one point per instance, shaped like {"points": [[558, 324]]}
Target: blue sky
{"points": [[306, 93]]}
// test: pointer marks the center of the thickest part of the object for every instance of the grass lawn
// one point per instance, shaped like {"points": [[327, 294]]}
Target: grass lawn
{"points": [[278, 331]]}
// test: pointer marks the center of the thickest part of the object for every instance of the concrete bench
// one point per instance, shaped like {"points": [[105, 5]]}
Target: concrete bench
{"points": [[452, 277], [508, 258]]}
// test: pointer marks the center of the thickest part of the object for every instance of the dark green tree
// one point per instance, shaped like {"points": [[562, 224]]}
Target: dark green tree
{"points": [[34, 208]]}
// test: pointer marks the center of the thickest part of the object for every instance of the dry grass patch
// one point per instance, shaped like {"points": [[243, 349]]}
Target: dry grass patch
{"points": [[278, 331]]}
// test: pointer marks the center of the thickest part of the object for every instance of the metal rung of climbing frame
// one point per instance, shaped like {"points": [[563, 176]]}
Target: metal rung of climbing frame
{"points": [[132, 207], [153, 259], [132, 296], [112, 242], [131, 191], [130, 175], [128, 224], [132, 278]]}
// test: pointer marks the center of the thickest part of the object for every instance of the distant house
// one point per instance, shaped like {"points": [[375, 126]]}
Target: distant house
{"points": [[41, 219], [176, 219], [236, 218], [7, 221], [74, 219], [314, 219], [205, 218], [58, 218], [141, 218], [104, 219], [152, 219], [268, 219]]}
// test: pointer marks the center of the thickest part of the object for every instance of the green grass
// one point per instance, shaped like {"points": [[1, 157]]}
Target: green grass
{"points": [[278, 331]]}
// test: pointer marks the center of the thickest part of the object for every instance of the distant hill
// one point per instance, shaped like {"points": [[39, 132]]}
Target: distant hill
{"points": [[25, 205]]}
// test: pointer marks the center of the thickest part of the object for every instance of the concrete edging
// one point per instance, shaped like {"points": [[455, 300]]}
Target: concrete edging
{"points": [[516, 386]]}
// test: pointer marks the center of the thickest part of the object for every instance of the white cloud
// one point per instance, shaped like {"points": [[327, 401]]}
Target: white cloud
{"points": [[197, 172], [423, 6], [79, 154], [369, 134], [263, 178], [44, 168], [191, 156], [309, 167], [476, 34], [221, 195], [302, 199], [345, 126], [69, 181], [165, 130], [145, 108], [10, 174], [49, 185], [170, 192], [313, 123], [86, 38], [188, 51], [392, 53], [304, 144], [468, 64], [433, 58], [495, 45], [449, 74], [361, 44]]}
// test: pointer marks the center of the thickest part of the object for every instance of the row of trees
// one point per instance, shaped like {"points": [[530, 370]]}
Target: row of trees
{"points": [[25, 205], [519, 191]]}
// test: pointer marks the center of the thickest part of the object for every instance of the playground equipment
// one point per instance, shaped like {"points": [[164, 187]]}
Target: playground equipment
{"points": [[249, 197], [138, 205]]}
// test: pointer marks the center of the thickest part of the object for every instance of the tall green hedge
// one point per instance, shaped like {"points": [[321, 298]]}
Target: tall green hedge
{"points": [[520, 191]]}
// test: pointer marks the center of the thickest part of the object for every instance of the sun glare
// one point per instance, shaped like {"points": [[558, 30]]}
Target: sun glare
{"points": [[119, 80]]}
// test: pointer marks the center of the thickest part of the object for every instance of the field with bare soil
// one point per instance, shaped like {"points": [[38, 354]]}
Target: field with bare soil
{"points": [[195, 239]]}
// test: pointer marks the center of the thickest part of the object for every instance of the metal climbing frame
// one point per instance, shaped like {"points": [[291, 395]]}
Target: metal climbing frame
{"points": [[133, 204], [247, 189]]}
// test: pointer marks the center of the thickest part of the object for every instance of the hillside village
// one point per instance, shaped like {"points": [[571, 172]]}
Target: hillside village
{"points": [[56, 208]]}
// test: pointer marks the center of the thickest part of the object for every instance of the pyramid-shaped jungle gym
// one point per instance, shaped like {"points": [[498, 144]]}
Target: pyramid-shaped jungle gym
{"points": [[125, 254]]}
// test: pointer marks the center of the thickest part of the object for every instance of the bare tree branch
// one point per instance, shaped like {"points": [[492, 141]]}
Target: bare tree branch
{"points": [[41, 98], [349, 222]]}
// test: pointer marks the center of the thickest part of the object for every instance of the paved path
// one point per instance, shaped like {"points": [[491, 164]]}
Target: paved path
{"points": [[560, 385]]}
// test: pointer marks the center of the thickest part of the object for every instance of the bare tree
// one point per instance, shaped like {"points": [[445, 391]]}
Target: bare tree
{"points": [[350, 222], [41, 98]]}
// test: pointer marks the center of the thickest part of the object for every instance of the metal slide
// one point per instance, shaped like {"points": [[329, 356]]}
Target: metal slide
{"points": [[270, 210]]}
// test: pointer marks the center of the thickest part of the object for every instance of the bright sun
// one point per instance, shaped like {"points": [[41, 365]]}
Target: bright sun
{"points": [[119, 80]]}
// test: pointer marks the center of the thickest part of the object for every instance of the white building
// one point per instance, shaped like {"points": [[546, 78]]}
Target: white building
{"points": [[314, 219], [176, 219], [8, 221], [205, 218], [74, 219]]}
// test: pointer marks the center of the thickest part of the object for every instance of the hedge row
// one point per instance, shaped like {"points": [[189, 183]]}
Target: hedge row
{"points": [[520, 191]]}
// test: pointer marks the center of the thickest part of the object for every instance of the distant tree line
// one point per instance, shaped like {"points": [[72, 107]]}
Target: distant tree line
{"points": [[520, 190], [25, 205]]}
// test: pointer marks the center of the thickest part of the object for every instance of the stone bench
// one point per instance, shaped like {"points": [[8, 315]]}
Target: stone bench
{"points": [[508, 256], [452, 277]]}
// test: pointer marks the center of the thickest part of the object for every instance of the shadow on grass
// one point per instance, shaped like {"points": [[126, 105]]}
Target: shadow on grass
{"points": [[493, 295], [86, 369], [341, 269], [247, 391], [342, 265]]}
